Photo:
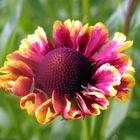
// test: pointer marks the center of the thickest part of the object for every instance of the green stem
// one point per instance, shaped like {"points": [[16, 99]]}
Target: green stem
{"points": [[100, 125], [104, 123], [85, 6], [85, 134], [130, 10], [14, 119], [92, 126]]}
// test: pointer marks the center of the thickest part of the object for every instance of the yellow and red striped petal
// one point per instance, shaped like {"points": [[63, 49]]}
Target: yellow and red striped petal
{"points": [[65, 106], [31, 102], [58, 102], [37, 42], [126, 45], [65, 35], [72, 110], [83, 38], [18, 85], [98, 38], [73, 26], [116, 43], [106, 78], [123, 95], [22, 86], [45, 112], [18, 68], [61, 35], [92, 102], [119, 60], [16, 77], [45, 109], [27, 103], [32, 49], [127, 81], [6, 80]]}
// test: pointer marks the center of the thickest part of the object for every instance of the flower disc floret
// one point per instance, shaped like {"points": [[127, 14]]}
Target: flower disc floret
{"points": [[64, 70]]}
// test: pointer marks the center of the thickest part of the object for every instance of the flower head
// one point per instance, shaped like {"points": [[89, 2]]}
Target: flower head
{"points": [[72, 78]]}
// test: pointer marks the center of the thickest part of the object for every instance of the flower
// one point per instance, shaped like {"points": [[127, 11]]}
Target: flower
{"points": [[74, 77]]}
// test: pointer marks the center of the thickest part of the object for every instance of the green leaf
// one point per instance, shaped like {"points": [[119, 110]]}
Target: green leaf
{"points": [[8, 29], [117, 17], [117, 115]]}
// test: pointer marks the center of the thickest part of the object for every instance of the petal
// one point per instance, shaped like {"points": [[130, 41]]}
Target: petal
{"points": [[27, 103], [65, 35], [46, 44], [122, 96], [18, 67], [119, 60], [6, 80], [107, 73], [85, 108], [58, 102], [98, 98], [94, 89], [22, 86], [24, 62], [108, 89], [39, 99], [16, 77], [106, 77], [31, 102], [83, 38], [92, 102], [123, 92], [72, 111], [124, 46], [61, 35], [98, 38], [66, 107], [116, 43], [32, 49], [37, 42], [31, 61], [73, 26], [127, 81], [45, 112]]}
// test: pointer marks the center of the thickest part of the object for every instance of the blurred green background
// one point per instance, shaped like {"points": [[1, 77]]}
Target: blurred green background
{"points": [[21, 17]]}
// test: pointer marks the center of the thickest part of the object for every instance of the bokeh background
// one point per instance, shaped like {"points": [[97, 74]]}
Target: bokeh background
{"points": [[21, 17]]}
